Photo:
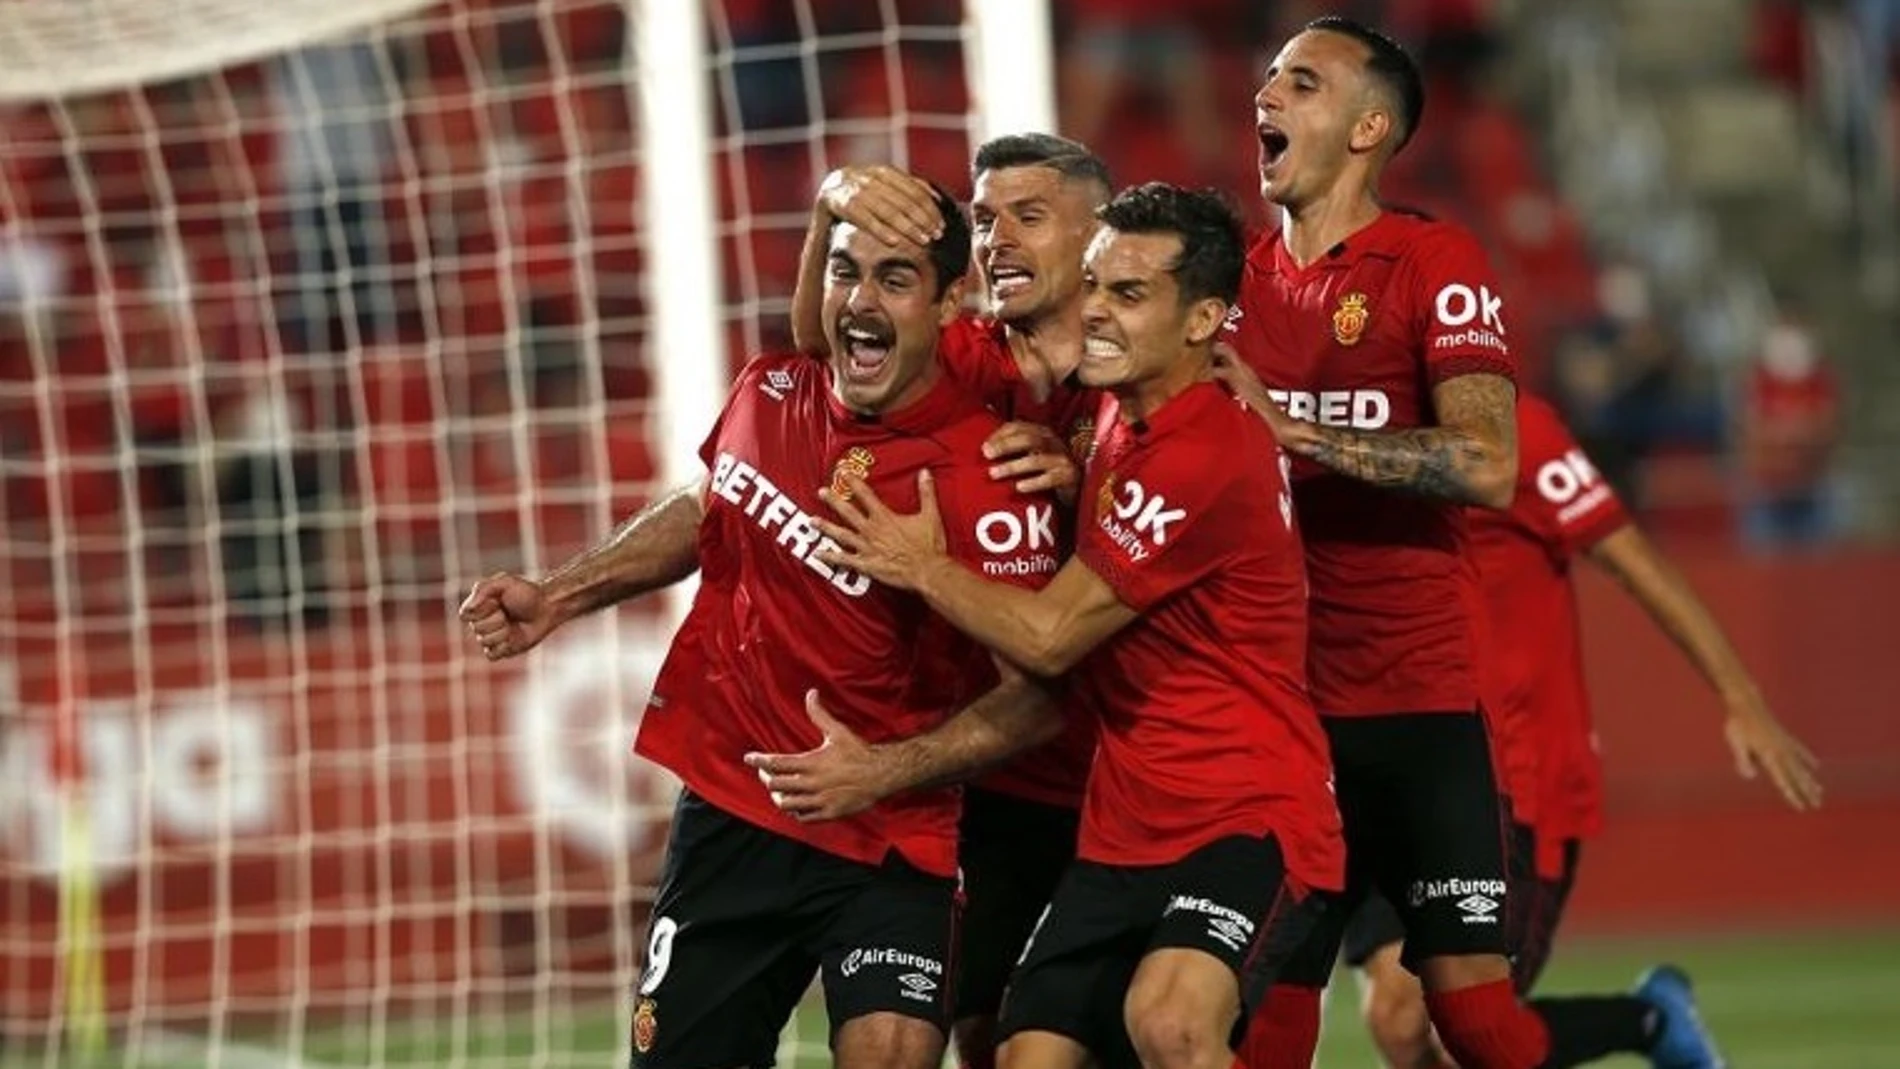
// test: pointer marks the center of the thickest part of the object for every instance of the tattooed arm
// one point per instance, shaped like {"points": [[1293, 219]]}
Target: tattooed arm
{"points": [[1470, 457]]}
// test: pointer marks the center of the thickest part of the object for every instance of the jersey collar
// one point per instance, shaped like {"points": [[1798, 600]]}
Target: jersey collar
{"points": [[1376, 238], [1181, 409], [943, 403]]}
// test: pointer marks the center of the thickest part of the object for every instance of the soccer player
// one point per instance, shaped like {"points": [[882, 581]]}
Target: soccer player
{"points": [[1380, 340], [752, 903], [1534, 674], [1032, 218], [1208, 813]]}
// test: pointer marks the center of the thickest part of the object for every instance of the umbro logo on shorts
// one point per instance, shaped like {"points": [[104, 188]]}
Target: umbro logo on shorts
{"points": [[1226, 933], [917, 986], [1478, 909]]}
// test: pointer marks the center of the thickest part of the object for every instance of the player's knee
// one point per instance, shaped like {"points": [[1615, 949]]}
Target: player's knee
{"points": [[976, 1042], [1453, 972], [1170, 1034], [1399, 1024], [881, 1040]]}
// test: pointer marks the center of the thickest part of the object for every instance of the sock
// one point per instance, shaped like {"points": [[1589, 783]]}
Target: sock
{"points": [[1485, 1027], [1284, 1031], [1584, 1028]]}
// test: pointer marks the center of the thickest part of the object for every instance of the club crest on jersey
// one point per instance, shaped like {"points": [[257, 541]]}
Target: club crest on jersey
{"points": [[1082, 440], [857, 461], [645, 1024], [1350, 318]]}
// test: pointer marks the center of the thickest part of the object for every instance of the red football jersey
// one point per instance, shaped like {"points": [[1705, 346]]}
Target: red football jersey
{"points": [[1359, 338], [1206, 728], [1534, 662], [771, 622], [975, 352]]}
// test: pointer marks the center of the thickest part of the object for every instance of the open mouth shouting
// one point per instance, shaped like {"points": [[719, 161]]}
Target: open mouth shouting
{"points": [[1273, 145], [867, 347]]}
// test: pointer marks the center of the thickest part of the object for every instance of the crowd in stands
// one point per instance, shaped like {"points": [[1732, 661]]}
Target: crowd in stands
{"points": [[367, 306]]}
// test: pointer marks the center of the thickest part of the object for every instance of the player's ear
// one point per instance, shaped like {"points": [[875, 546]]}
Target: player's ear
{"points": [[950, 306], [1372, 129], [1204, 319]]}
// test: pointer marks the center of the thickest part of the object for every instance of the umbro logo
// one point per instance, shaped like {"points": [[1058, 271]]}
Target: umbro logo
{"points": [[1478, 909], [1227, 933], [778, 383], [917, 986]]}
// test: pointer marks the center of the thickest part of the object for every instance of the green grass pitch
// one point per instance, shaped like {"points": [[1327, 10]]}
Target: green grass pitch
{"points": [[1774, 1002]]}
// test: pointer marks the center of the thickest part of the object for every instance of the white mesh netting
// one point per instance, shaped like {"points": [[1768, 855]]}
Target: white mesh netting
{"points": [[310, 314]]}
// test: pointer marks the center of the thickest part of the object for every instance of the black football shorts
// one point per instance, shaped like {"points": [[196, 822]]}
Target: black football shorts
{"points": [[1536, 910], [1013, 852], [1424, 828], [1230, 898], [745, 917]]}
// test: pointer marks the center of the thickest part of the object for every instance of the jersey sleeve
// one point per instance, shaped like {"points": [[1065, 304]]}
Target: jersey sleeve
{"points": [[1564, 498], [1460, 311], [743, 386], [974, 356], [1162, 527]]}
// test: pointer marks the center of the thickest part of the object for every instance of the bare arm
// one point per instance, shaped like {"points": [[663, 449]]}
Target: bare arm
{"points": [[1017, 714], [657, 547], [808, 293], [1756, 737], [510, 614], [1045, 631], [1470, 457], [845, 775], [892, 205]]}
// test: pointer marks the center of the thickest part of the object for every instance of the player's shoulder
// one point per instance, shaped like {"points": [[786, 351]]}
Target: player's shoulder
{"points": [[976, 331], [1535, 412], [1212, 437], [782, 372], [1541, 430], [1419, 237]]}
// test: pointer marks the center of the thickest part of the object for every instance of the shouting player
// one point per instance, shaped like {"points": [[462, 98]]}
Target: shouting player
{"points": [[1534, 674], [1381, 344], [1031, 221], [752, 902], [1208, 812]]}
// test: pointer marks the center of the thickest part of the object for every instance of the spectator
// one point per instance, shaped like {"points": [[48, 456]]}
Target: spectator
{"points": [[1116, 45], [1789, 426]]}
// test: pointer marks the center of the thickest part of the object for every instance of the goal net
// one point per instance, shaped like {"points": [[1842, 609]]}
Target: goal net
{"points": [[311, 313]]}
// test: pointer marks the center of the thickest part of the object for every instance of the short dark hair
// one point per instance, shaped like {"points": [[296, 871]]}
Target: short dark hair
{"points": [[950, 253], [1213, 250], [1070, 159], [1390, 64]]}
